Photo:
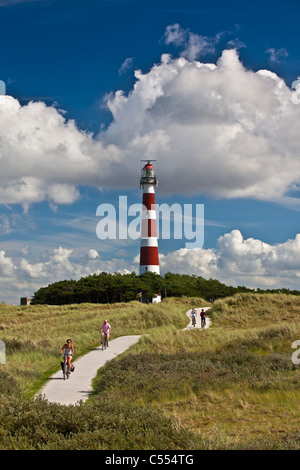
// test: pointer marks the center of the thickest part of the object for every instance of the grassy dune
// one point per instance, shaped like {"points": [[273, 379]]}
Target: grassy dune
{"points": [[33, 335], [254, 310], [233, 386]]}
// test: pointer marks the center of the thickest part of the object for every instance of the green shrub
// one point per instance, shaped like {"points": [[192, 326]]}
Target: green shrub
{"points": [[105, 424]]}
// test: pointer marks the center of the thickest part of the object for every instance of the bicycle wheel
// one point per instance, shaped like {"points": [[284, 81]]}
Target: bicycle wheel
{"points": [[66, 370]]}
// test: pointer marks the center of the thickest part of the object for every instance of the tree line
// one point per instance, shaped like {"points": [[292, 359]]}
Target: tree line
{"points": [[111, 288]]}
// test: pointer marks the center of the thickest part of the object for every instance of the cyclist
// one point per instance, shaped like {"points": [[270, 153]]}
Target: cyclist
{"points": [[69, 352], [105, 327], [193, 316], [203, 317]]}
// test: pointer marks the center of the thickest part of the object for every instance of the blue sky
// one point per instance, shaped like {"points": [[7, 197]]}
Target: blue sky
{"points": [[94, 86]]}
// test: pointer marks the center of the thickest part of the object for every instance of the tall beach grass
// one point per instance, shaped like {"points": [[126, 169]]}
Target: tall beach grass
{"points": [[233, 386]]}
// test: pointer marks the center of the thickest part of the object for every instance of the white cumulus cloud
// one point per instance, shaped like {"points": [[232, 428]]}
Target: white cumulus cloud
{"points": [[7, 267], [238, 261], [235, 261], [21, 275], [219, 129], [192, 117]]}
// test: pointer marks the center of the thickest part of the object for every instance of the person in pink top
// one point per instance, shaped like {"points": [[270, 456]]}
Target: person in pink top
{"points": [[105, 328]]}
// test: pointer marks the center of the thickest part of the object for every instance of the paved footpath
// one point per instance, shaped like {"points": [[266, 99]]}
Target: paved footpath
{"points": [[79, 385]]}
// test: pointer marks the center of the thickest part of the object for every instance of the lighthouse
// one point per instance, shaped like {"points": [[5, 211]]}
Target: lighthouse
{"points": [[149, 247]]}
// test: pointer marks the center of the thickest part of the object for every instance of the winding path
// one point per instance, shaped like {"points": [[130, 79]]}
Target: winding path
{"points": [[79, 386], [198, 319]]}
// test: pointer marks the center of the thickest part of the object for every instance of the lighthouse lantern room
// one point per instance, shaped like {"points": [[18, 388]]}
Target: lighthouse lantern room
{"points": [[148, 176]]}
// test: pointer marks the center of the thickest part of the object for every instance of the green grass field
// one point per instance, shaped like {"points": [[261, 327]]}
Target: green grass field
{"points": [[233, 386]]}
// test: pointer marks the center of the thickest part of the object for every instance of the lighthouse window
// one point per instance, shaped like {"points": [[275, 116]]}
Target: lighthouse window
{"points": [[149, 173]]}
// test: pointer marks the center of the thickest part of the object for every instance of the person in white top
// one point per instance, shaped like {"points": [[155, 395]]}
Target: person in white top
{"points": [[69, 352], [194, 316]]}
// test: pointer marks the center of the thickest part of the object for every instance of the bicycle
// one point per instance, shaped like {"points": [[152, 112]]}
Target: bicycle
{"points": [[193, 321], [65, 368], [203, 322], [104, 341]]}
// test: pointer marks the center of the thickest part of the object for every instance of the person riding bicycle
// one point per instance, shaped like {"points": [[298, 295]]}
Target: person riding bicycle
{"points": [[105, 327], [69, 352], [193, 316], [203, 316]]}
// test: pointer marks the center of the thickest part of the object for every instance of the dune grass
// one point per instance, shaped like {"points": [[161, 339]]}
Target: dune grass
{"points": [[233, 386], [33, 335], [254, 310], [216, 387]]}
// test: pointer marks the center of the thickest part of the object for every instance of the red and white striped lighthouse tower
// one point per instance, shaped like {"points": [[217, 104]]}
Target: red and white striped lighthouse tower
{"points": [[149, 247]]}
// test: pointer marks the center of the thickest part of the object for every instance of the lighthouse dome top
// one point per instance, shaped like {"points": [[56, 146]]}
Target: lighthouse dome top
{"points": [[148, 176]]}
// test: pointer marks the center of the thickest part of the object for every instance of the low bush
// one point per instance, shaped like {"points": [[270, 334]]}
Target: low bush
{"points": [[104, 425]]}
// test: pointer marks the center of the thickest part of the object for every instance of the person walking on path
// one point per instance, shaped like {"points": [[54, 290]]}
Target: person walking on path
{"points": [[105, 328]]}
